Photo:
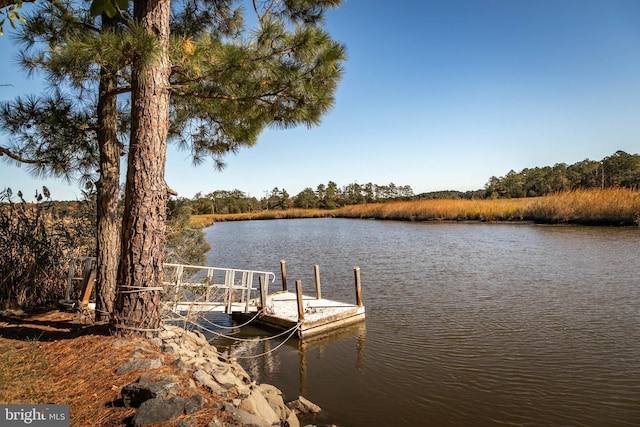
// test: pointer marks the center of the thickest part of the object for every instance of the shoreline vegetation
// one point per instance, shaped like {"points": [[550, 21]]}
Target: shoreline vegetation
{"points": [[607, 206]]}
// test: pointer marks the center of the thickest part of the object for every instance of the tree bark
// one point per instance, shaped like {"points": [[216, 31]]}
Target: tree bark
{"points": [[108, 232], [137, 310]]}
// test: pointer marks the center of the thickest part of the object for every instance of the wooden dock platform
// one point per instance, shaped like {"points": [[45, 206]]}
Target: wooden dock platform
{"points": [[319, 315]]}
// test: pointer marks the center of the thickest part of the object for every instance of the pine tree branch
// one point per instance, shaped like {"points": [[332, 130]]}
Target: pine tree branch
{"points": [[17, 158], [63, 11], [223, 97]]}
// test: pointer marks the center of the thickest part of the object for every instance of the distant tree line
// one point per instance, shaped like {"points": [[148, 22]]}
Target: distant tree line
{"points": [[618, 170], [329, 196]]}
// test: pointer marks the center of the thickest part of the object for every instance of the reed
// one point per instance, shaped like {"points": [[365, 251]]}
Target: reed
{"points": [[607, 206], [210, 219], [441, 210]]}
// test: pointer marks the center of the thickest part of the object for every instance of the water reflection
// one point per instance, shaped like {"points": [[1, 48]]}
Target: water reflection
{"points": [[264, 356], [467, 324]]}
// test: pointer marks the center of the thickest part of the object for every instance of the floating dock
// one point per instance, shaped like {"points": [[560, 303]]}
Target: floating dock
{"points": [[316, 316]]}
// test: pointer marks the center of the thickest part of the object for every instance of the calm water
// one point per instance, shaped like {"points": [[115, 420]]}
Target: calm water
{"points": [[467, 324]]}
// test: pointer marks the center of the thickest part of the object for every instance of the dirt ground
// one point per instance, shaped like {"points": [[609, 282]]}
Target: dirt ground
{"points": [[58, 357]]}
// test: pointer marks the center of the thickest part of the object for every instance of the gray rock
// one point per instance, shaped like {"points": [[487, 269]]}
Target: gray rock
{"points": [[275, 400], [240, 373], [200, 338], [166, 378], [210, 351], [226, 378], [170, 348], [213, 365], [187, 352], [292, 420], [142, 348], [192, 340], [134, 394], [247, 419], [157, 410], [303, 406], [243, 391], [199, 362], [256, 404], [139, 365], [183, 364], [169, 332], [207, 381], [193, 404]]}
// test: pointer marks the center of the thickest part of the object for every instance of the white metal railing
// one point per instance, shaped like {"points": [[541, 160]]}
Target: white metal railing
{"points": [[208, 286], [196, 286]]}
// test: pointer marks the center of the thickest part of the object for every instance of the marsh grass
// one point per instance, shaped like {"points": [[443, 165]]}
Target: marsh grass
{"points": [[210, 219], [609, 206], [612, 206], [441, 210]]}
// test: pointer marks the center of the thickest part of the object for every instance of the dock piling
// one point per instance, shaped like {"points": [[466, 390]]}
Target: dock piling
{"points": [[316, 273], [263, 294], [299, 298], [356, 273], [283, 271]]}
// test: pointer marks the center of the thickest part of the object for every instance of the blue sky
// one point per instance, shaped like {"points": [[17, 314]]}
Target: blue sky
{"points": [[437, 95]]}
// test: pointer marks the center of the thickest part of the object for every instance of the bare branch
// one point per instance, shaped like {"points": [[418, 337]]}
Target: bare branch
{"points": [[16, 157]]}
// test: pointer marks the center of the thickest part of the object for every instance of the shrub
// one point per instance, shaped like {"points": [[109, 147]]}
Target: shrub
{"points": [[35, 251], [184, 245]]}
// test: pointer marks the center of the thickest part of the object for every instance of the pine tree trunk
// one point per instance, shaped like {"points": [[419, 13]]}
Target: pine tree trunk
{"points": [[137, 308], [108, 232]]}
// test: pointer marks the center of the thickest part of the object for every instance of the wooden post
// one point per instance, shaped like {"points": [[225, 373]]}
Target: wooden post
{"points": [[263, 294], [316, 273], [299, 298], [88, 286], [356, 273], [283, 271]]}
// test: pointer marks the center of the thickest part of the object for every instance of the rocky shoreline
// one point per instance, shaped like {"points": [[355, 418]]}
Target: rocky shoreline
{"points": [[160, 398]]}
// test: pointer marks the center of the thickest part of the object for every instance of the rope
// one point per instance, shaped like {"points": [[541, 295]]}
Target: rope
{"points": [[236, 326], [134, 289], [186, 319], [259, 312], [293, 330]]}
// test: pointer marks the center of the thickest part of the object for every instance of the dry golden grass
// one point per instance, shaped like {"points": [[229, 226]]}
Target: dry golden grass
{"points": [[210, 219], [614, 206], [441, 209]]}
